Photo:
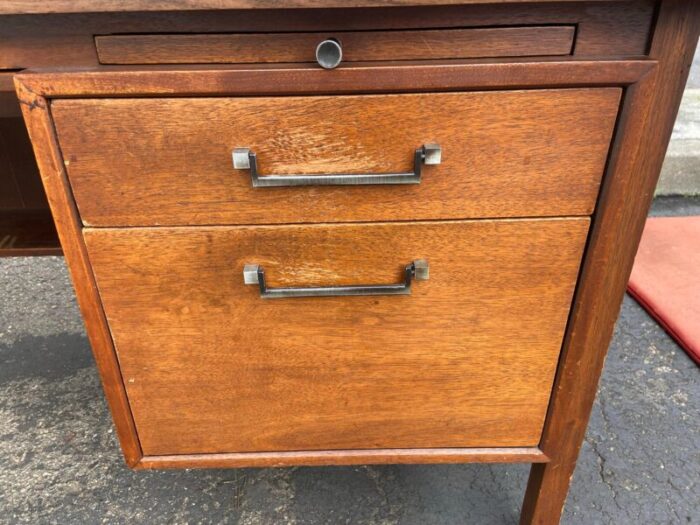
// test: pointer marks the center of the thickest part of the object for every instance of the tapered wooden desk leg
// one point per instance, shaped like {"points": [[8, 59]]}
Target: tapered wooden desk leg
{"points": [[644, 128]]}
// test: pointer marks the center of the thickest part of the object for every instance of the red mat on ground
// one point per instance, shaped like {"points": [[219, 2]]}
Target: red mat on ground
{"points": [[666, 278]]}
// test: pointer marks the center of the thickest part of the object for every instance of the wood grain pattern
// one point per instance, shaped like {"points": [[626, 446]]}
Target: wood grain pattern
{"points": [[622, 29], [505, 154], [65, 214], [467, 360], [357, 46], [603, 28], [26, 226], [90, 6], [645, 127], [346, 457], [34, 41], [617, 29], [378, 77]]}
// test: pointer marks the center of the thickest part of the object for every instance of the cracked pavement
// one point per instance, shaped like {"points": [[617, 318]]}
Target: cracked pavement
{"points": [[640, 462]]}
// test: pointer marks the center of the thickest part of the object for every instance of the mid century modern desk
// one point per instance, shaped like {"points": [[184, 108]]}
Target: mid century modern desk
{"points": [[319, 232]]}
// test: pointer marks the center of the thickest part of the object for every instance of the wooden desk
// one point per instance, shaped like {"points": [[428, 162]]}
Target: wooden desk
{"points": [[416, 257]]}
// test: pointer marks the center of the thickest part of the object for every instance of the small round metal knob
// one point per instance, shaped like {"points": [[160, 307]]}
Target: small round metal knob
{"points": [[329, 53]]}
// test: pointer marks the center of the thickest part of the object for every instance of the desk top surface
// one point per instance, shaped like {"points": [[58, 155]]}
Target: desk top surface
{"points": [[8, 7]]}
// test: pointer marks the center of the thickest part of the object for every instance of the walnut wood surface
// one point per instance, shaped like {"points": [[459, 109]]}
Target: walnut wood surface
{"points": [[77, 6], [26, 226], [603, 29], [645, 127], [357, 46], [505, 154], [346, 457], [65, 214], [297, 79], [585, 73], [467, 360], [66, 40]]}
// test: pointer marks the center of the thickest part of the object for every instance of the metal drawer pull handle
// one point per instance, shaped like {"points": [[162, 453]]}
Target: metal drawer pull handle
{"points": [[329, 53], [428, 154], [418, 270]]}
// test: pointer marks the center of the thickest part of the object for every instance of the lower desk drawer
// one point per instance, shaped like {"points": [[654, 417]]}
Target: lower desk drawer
{"points": [[467, 359]]}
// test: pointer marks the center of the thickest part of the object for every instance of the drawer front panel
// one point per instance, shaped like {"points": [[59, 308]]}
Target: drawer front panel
{"points": [[466, 360], [357, 45], [168, 161]]}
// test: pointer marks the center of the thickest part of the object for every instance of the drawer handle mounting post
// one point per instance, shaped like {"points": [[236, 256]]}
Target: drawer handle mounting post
{"points": [[245, 159], [418, 270]]}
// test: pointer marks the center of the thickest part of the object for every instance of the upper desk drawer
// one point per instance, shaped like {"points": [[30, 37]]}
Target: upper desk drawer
{"points": [[167, 161], [357, 46]]}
